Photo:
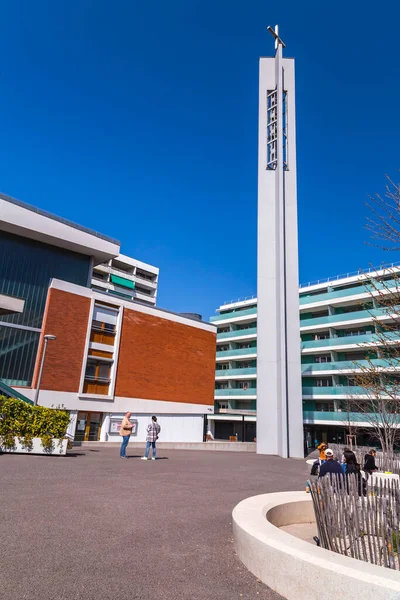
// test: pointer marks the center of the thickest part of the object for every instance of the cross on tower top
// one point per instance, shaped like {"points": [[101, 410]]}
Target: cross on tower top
{"points": [[275, 33]]}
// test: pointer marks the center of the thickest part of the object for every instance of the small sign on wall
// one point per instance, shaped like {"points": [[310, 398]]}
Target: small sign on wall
{"points": [[115, 425]]}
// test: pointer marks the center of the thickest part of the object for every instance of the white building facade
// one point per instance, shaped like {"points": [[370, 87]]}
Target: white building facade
{"points": [[128, 278]]}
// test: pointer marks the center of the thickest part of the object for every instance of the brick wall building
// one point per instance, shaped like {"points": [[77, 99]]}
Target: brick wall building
{"points": [[111, 356]]}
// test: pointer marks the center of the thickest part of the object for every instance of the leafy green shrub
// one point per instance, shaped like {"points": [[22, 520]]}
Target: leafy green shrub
{"points": [[47, 442], [8, 441], [23, 420], [27, 442]]}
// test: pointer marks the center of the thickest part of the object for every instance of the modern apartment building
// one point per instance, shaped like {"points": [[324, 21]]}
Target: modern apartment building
{"points": [[339, 328], [127, 278], [110, 351]]}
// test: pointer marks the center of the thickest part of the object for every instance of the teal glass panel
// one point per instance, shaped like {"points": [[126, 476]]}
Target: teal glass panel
{"points": [[236, 372], [18, 349], [237, 333], [26, 268], [234, 314]]}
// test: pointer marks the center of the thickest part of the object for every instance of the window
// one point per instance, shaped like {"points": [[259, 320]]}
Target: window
{"points": [[240, 405], [322, 336], [247, 326], [143, 290], [103, 325], [244, 365], [322, 359], [351, 332], [243, 385], [221, 386], [97, 376], [223, 405], [325, 407], [223, 329], [99, 275], [244, 345], [323, 383], [223, 367], [222, 348]]}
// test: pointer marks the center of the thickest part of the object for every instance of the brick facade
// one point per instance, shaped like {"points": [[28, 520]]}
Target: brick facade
{"points": [[66, 316], [159, 359], [163, 360]]}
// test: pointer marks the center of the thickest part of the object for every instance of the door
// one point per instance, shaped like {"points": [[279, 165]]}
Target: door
{"points": [[88, 426]]}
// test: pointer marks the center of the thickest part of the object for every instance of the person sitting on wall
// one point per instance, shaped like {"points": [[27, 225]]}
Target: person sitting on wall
{"points": [[369, 463], [350, 466], [330, 466]]}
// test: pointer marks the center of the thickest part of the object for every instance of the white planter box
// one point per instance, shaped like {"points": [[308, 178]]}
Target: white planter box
{"points": [[59, 447]]}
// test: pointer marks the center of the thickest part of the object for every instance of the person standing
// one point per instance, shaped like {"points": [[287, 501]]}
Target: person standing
{"points": [[153, 431], [125, 432], [322, 448], [369, 463]]}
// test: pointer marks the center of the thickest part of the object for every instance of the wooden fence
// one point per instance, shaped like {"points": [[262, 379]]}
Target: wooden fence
{"points": [[363, 525], [383, 461]]}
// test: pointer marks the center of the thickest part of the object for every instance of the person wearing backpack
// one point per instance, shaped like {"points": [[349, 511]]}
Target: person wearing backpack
{"points": [[315, 467]]}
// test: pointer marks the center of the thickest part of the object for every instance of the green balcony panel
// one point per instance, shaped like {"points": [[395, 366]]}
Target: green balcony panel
{"points": [[351, 339], [339, 417], [237, 333], [127, 283], [236, 352], [236, 392], [343, 293], [235, 372], [234, 314], [350, 365], [337, 390], [351, 316]]}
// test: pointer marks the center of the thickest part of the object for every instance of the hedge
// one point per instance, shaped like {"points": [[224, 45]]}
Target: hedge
{"points": [[20, 419]]}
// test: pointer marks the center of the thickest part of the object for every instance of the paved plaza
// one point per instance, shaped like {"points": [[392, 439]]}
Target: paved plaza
{"points": [[93, 526]]}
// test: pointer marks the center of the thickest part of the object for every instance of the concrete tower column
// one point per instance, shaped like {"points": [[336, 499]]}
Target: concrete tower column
{"points": [[279, 398]]}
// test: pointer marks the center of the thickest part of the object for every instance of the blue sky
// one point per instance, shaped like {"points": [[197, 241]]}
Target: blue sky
{"points": [[139, 119]]}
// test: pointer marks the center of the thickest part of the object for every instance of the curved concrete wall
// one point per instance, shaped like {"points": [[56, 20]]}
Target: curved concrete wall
{"points": [[294, 568]]}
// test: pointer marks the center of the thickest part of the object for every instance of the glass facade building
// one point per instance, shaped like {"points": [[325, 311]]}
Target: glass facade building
{"points": [[341, 325], [26, 268]]}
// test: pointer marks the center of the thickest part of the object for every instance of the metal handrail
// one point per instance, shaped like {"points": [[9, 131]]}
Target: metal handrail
{"points": [[381, 267]]}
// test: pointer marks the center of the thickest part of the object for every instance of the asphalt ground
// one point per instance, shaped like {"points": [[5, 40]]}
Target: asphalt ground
{"points": [[93, 526]]}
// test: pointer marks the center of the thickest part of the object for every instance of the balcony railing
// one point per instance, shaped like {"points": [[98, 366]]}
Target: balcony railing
{"points": [[236, 352], [365, 338], [236, 411], [237, 333], [340, 417], [349, 365], [351, 316], [340, 341], [235, 372], [343, 293], [334, 390], [234, 314], [236, 392]]}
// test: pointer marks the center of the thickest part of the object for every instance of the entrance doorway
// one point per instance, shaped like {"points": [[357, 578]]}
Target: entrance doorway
{"points": [[88, 426]]}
